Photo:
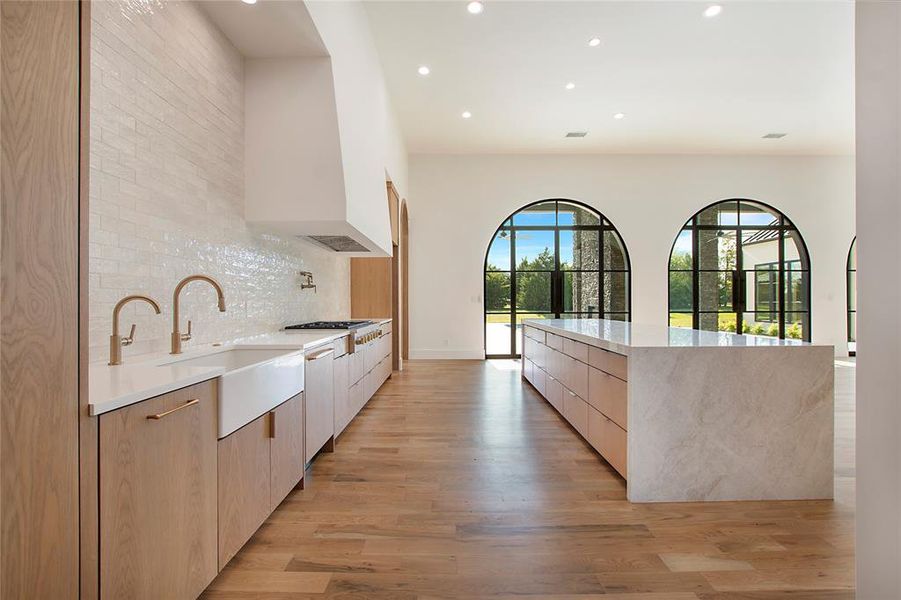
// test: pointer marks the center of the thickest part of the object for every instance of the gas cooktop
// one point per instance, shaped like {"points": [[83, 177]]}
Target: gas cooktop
{"points": [[330, 325]]}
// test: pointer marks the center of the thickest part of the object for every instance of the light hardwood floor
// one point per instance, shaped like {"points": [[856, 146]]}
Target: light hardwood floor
{"points": [[459, 481]]}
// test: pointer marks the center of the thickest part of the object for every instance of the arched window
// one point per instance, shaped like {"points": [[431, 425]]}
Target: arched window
{"points": [[852, 298], [741, 266], [552, 259]]}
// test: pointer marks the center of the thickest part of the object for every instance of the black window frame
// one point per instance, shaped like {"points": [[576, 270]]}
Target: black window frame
{"points": [[783, 227], [852, 312], [558, 275]]}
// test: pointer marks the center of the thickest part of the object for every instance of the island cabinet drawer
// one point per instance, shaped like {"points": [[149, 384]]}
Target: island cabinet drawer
{"points": [[535, 352], [577, 350], [539, 380], [527, 369], [554, 393], [554, 363], [554, 341], [609, 362], [608, 394], [575, 376], [609, 439], [576, 412], [535, 334]]}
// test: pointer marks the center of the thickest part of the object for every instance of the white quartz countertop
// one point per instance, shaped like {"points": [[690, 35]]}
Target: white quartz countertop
{"points": [[619, 336], [150, 375]]}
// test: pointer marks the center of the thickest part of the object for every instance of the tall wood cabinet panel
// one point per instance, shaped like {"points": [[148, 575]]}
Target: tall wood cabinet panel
{"points": [[370, 288], [286, 448], [244, 484], [39, 301], [158, 496]]}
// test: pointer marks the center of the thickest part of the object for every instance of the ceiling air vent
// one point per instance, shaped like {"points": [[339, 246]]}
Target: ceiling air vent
{"points": [[576, 134], [774, 136], [339, 243]]}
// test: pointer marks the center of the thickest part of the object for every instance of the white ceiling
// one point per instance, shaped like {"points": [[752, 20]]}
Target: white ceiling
{"points": [[687, 84], [267, 29]]}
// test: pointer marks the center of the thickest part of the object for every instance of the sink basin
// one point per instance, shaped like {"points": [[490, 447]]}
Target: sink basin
{"points": [[233, 358], [255, 381]]}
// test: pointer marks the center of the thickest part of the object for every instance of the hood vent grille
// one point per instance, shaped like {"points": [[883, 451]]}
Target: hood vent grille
{"points": [[339, 243], [576, 134]]}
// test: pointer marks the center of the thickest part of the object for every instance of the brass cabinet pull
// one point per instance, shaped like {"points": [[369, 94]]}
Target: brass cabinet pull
{"points": [[159, 416], [320, 354]]}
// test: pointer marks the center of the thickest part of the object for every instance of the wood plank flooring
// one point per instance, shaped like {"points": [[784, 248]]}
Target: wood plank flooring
{"points": [[459, 481]]}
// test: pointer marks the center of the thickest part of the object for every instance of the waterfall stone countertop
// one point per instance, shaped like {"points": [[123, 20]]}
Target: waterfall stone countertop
{"points": [[149, 375], [707, 415], [620, 337]]}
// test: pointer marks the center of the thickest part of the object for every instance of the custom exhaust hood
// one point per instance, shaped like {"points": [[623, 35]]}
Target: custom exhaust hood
{"points": [[313, 162]]}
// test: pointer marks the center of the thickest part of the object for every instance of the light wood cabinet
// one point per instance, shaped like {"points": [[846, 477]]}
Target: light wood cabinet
{"points": [[344, 411], [576, 412], [286, 450], [554, 393], [244, 485], [609, 362], [319, 391], [614, 445], [608, 394], [158, 488]]}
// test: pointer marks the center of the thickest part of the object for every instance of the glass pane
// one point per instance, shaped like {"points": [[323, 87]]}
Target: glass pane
{"points": [[581, 292], [797, 325], [533, 293], [756, 215], [544, 213], [794, 249], [762, 289], [761, 323], [535, 250], [497, 334], [716, 249], [499, 252], [722, 213], [617, 316], [852, 290], [759, 248], [680, 291], [616, 292], [714, 290], [852, 327], [680, 258], [497, 290], [717, 321], [570, 214], [614, 252], [796, 291], [680, 319], [579, 250]]}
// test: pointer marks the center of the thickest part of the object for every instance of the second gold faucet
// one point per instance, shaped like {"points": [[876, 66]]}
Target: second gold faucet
{"points": [[177, 336]]}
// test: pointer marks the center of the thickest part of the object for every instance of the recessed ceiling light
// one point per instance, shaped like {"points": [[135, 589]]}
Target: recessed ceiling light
{"points": [[249, 1], [570, 86], [594, 42], [713, 10], [466, 114], [475, 7], [619, 115], [424, 70]]}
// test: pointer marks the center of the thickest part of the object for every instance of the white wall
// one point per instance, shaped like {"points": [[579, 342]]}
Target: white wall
{"points": [[458, 202], [167, 185], [371, 145], [878, 107]]}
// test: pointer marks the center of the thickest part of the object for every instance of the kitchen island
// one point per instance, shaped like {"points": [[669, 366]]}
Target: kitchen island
{"points": [[688, 415]]}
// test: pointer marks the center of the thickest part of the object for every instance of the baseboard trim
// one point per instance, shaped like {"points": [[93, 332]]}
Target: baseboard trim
{"points": [[446, 354]]}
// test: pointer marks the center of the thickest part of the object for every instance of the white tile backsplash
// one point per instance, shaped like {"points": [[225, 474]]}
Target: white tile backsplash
{"points": [[167, 187]]}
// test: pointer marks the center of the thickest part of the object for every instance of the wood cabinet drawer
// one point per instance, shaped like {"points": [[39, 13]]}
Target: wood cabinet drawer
{"points": [[609, 362], [535, 334], [554, 393], [577, 350], [613, 445], [608, 394], [554, 362], [595, 429], [576, 411], [575, 376], [554, 341], [539, 379]]}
